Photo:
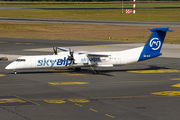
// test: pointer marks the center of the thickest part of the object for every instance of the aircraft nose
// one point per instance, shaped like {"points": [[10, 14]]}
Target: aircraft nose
{"points": [[9, 67]]}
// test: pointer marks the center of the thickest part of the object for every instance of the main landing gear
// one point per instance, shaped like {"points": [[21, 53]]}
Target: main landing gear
{"points": [[94, 71], [92, 67], [78, 69]]}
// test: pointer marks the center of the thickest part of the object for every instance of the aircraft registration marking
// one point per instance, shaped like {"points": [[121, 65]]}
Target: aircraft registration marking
{"points": [[2, 75], [67, 83], [157, 71], [167, 93]]}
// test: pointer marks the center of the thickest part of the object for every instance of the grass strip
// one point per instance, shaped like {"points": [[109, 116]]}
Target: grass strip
{"points": [[89, 5], [163, 15], [82, 32]]}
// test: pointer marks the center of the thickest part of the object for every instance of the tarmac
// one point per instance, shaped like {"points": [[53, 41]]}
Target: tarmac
{"points": [[93, 22], [148, 90]]}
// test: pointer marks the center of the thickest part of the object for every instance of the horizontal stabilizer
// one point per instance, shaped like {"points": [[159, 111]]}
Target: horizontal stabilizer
{"points": [[161, 29]]}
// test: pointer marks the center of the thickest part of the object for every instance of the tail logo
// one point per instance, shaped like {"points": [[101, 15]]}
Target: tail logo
{"points": [[155, 43]]}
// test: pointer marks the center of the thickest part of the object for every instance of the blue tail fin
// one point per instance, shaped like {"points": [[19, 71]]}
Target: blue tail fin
{"points": [[153, 46]]}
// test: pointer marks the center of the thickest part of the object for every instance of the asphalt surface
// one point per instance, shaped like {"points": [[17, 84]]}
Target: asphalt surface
{"points": [[15, 45], [148, 90], [94, 22]]}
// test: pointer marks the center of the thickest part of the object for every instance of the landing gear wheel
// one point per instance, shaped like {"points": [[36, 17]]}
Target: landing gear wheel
{"points": [[15, 72], [95, 72], [78, 69]]}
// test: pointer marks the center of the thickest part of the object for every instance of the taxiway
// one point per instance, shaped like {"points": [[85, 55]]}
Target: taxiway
{"points": [[148, 90]]}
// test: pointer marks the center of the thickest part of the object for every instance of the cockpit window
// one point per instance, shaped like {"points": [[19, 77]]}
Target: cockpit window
{"points": [[20, 60]]}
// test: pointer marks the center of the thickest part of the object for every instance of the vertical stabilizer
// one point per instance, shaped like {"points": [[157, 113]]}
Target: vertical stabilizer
{"points": [[153, 46]]}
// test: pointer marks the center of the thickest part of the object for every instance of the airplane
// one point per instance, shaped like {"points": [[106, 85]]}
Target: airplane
{"points": [[78, 59]]}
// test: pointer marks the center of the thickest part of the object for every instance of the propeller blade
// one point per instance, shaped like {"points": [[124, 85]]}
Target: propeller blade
{"points": [[71, 52], [71, 56], [55, 50]]}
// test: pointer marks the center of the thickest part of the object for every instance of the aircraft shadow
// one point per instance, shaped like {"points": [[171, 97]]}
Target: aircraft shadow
{"points": [[107, 72]]}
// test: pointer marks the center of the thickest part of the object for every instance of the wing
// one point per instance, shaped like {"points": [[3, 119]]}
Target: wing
{"points": [[67, 50], [97, 55], [84, 52], [63, 49]]}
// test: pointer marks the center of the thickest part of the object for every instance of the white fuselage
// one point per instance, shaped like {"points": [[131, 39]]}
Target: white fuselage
{"points": [[81, 60], [78, 59]]}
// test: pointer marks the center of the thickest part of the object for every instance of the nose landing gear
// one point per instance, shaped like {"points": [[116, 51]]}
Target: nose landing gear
{"points": [[15, 72]]}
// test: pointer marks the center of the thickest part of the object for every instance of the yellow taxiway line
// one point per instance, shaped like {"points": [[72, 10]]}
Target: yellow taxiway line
{"points": [[68, 83], [27, 100], [167, 93], [109, 115], [78, 104], [93, 110], [156, 71], [176, 85], [175, 79], [2, 75]]}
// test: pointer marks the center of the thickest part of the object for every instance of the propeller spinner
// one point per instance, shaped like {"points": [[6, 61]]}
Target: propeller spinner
{"points": [[71, 55]]}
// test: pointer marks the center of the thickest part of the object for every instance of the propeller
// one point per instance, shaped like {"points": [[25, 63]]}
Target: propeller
{"points": [[55, 50], [71, 55]]}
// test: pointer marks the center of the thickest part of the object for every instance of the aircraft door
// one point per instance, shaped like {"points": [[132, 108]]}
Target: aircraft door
{"points": [[33, 62], [118, 59], [16, 65]]}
